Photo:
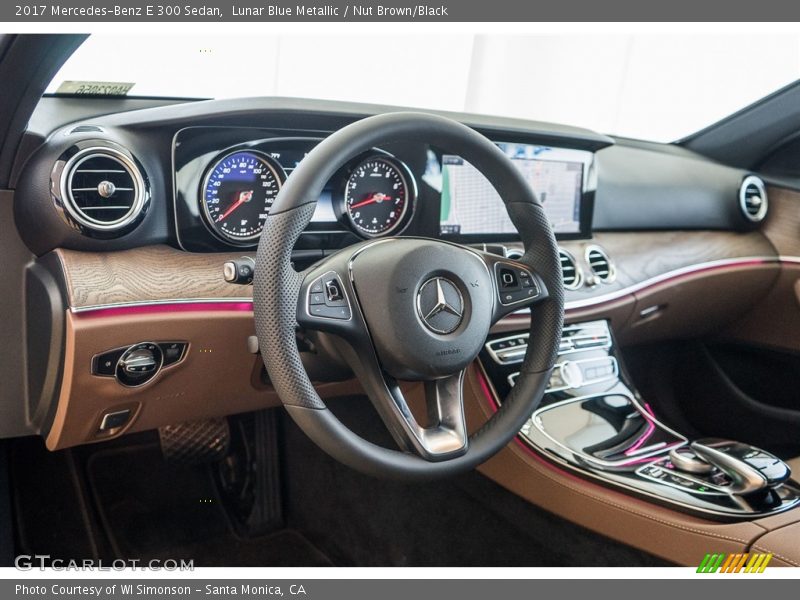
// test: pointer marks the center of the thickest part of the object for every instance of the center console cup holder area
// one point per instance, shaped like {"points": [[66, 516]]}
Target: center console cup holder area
{"points": [[593, 421], [605, 430]]}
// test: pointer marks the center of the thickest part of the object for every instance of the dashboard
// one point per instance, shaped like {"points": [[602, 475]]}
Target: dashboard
{"points": [[201, 176], [130, 216], [226, 181]]}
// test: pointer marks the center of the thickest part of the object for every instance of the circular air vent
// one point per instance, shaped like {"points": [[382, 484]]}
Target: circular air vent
{"points": [[753, 199], [600, 264], [571, 273], [103, 190]]}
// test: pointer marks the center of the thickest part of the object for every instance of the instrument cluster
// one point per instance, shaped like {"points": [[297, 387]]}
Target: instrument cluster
{"points": [[223, 196]]}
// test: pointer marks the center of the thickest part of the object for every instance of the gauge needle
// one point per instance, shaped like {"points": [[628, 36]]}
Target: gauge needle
{"points": [[243, 197], [380, 197]]}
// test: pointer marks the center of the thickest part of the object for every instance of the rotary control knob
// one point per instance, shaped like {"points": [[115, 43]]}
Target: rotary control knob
{"points": [[571, 374], [139, 364]]}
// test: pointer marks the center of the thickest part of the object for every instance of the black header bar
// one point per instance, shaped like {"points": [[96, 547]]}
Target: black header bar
{"points": [[441, 11]]}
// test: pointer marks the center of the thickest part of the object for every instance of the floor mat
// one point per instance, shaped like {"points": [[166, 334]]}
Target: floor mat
{"points": [[153, 509]]}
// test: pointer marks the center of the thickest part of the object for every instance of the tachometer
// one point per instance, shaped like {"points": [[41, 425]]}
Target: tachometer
{"points": [[237, 193], [378, 196]]}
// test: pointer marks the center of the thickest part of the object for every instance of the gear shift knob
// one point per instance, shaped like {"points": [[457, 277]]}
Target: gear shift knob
{"points": [[749, 468]]}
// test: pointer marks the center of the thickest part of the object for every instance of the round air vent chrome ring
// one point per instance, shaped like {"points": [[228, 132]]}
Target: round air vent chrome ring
{"points": [[754, 205], [600, 264], [132, 210]]}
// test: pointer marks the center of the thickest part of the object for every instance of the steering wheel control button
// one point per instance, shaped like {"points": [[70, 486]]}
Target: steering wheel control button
{"points": [[114, 420], [139, 364], [526, 282], [333, 291], [327, 299], [331, 312], [440, 305], [515, 284], [173, 352], [508, 279]]}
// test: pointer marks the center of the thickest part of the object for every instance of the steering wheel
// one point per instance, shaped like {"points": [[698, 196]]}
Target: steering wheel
{"points": [[407, 309]]}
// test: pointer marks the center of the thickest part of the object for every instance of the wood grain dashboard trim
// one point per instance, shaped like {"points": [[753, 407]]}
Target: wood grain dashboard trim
{"points": [[782, 223], [152, 274], [162, 274], [575, 305], [673, 276]]}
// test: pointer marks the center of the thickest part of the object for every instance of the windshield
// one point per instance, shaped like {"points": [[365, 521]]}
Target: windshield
{"points": [[653, 87]]}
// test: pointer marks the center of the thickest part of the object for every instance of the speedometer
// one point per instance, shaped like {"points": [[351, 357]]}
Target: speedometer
{"points": [[238, 191], [378, 196]]}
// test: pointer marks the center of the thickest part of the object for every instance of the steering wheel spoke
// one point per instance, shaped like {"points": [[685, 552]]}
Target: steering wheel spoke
{"points": [[443, 437]]}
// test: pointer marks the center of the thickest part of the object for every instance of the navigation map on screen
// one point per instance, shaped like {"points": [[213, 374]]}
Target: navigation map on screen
{"points": [[470, 205]]}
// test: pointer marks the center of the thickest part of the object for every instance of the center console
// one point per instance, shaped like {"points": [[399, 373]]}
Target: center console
{"points": [[593, 421]]}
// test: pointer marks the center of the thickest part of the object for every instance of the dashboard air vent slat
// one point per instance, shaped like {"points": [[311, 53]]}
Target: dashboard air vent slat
{"points": [[103, 189], [600, 264], [753, 199], [571, 273]]}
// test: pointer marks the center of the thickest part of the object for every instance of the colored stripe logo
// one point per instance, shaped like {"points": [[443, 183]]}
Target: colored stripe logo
{"points": [[734, 563]]}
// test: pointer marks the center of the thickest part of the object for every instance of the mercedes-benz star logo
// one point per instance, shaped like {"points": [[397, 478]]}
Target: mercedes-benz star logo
{"points": [[440, 305]]}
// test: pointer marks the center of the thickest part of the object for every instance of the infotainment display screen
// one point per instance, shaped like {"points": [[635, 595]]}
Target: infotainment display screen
{"points": [[470, 205]]}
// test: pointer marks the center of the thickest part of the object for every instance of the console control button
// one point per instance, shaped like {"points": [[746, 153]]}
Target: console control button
{"points": [[173, 352], [590, 342], [662, 473], [509, 350], [556, 382], [105, 364], [565, 346], [686, 460], [239, 270], [735, 459]]}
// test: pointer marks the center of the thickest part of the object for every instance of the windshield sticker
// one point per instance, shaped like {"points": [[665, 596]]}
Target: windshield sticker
{"points": [[94, 88]]}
